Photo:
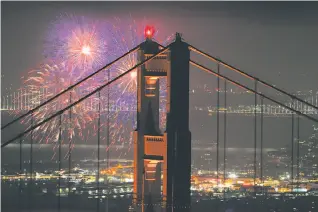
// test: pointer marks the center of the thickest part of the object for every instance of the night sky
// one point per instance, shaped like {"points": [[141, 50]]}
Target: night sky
{"points": [[275, 41]]}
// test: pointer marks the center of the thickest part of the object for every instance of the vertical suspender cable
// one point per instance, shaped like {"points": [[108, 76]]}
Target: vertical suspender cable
{"points": [[70, 146], [13, 102], [298, 142], [261, 165], [255, 137], [60, 164], [217, 133], [108, 137], [98, 152], [31, 166], [108, 119], [224, 149], [292, 148], [20, 179], [218, 127]]}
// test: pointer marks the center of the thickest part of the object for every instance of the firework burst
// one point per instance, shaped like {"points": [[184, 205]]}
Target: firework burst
{"points": [[78, 42], [79, 47], [44, 83]]}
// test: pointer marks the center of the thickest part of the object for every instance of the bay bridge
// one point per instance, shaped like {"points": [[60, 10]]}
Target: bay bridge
{"points": [[162, 160], [25, 100]]}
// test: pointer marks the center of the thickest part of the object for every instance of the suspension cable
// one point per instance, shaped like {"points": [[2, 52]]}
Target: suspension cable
{"points": [[251, 90], [218, 127], [249, 76], [255, 135], [261, 165], [225, 126], [85, 97], [292, 148], [60, 164], [70, 87], [108, 137], [31, 166], [298, 142], [98, 152], [20, 180], [70, 146]]}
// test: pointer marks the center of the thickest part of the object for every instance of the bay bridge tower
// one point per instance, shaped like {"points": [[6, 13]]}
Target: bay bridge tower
{"points": [[162, 160]]}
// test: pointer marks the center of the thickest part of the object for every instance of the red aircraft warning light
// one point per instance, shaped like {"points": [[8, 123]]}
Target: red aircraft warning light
{"points": [[149, 32]]}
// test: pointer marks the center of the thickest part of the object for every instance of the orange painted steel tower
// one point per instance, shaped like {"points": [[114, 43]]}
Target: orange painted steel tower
{"points": [[162, 161]]}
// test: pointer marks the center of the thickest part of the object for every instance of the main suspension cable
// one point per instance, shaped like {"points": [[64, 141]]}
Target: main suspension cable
{"points": [[70, 87], [83, 98], [251, 90], [249, 76]]}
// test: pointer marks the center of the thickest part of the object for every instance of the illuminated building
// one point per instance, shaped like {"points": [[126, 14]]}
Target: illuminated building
{"points": [[309, 155]]}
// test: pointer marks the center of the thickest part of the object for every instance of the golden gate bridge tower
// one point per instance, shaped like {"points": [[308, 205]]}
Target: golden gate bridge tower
{"points": [[162, 161]]}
